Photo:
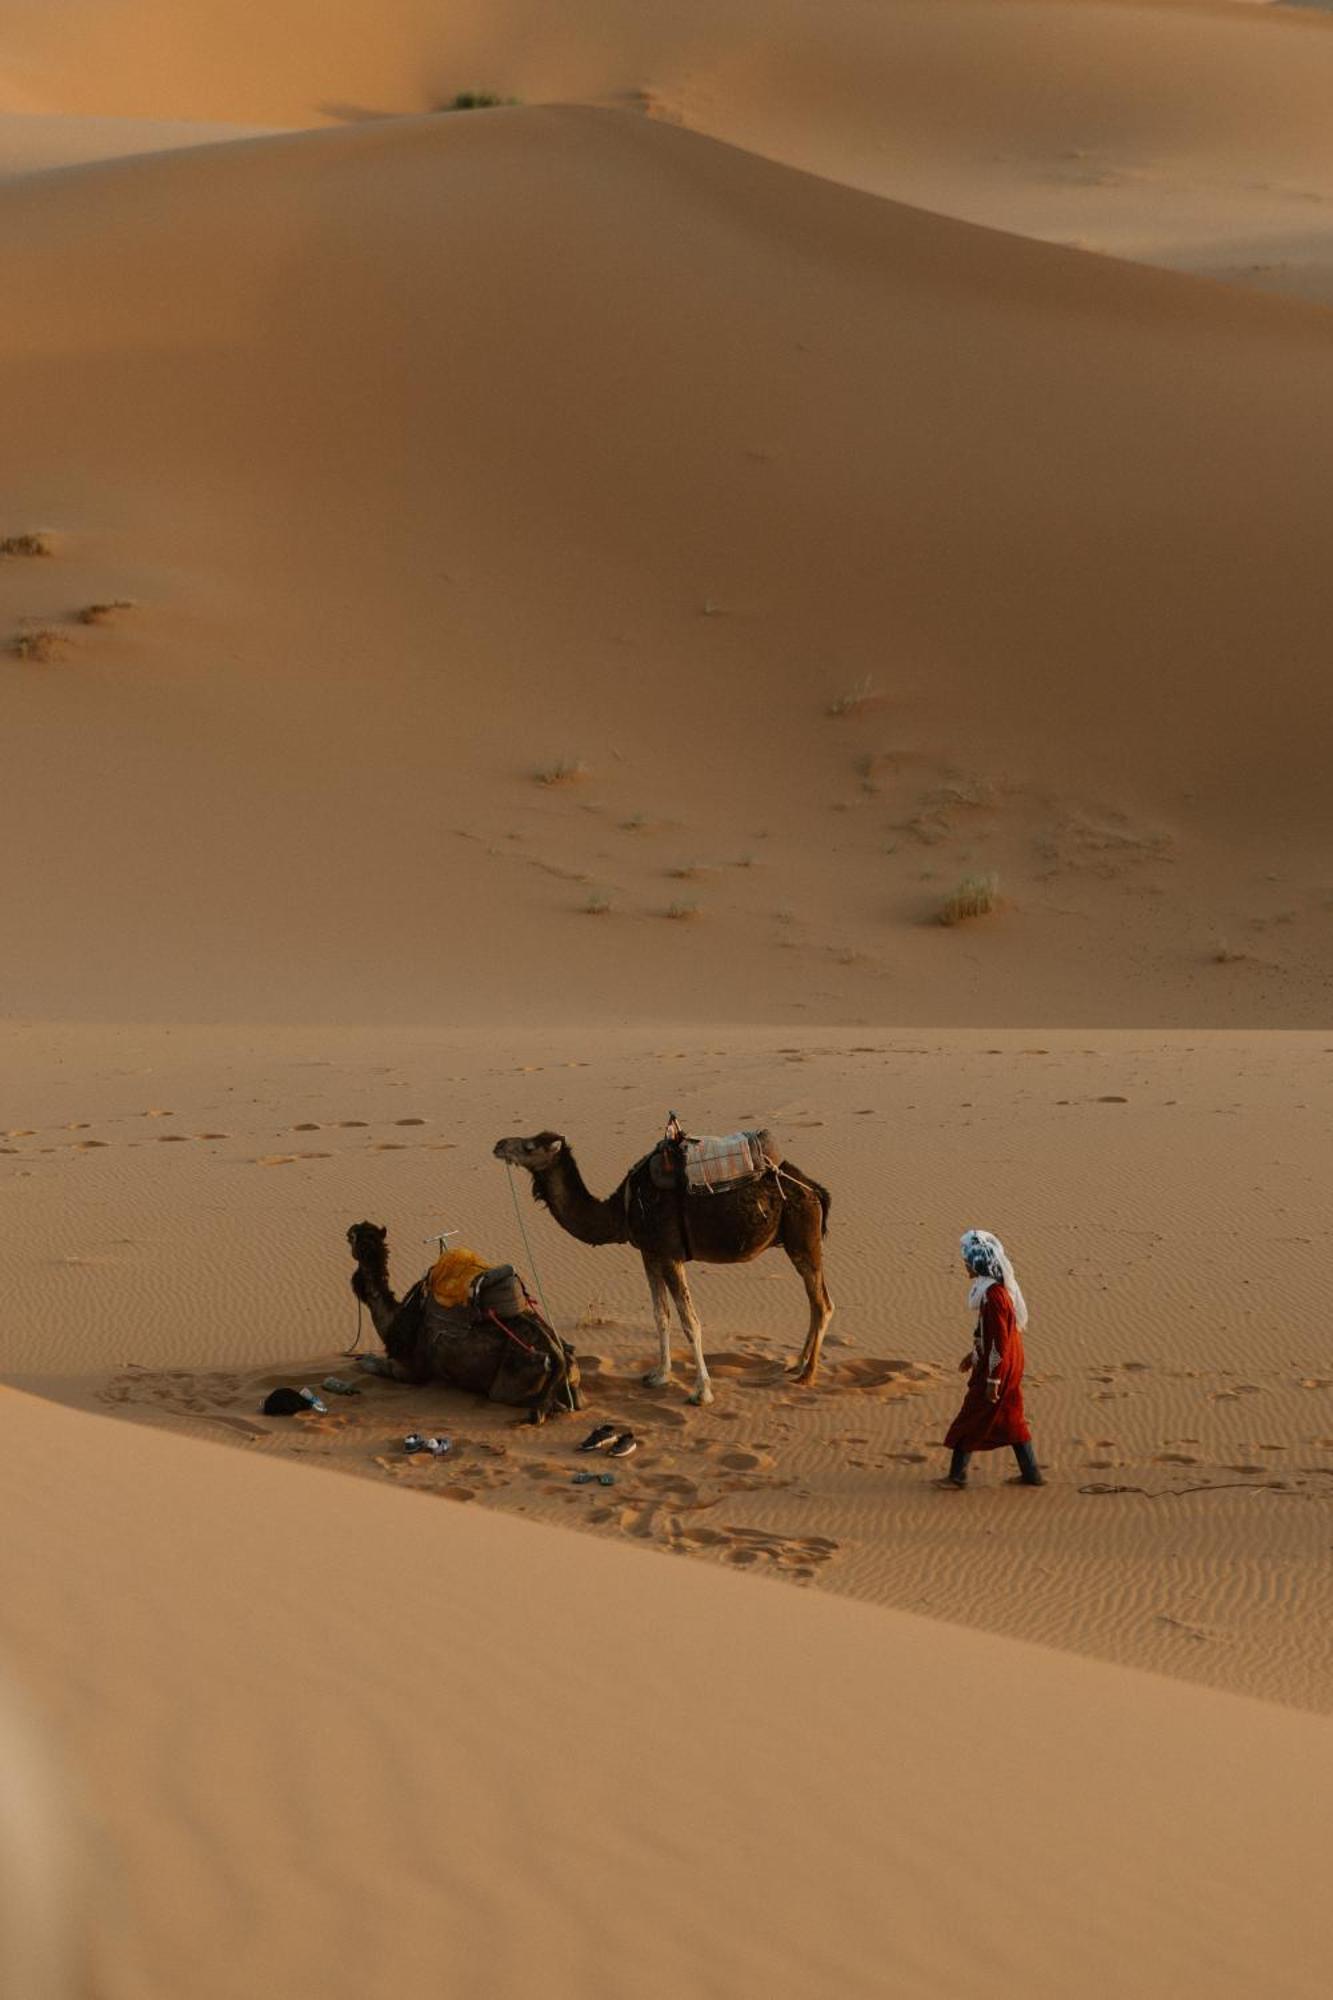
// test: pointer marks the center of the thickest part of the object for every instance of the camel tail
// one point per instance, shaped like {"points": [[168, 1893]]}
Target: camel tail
{"points": [[822, 1194]]}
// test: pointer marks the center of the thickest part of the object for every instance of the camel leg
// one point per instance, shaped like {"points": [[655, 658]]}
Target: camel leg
{"points": [[661, 1298], [674, 1275], [821, 1312]]}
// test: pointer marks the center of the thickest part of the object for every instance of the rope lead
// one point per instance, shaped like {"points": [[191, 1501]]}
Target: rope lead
{"points": [[527, 1247]]}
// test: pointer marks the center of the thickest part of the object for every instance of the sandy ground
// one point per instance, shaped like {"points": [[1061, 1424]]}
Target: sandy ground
{"points": [[526, 620]]}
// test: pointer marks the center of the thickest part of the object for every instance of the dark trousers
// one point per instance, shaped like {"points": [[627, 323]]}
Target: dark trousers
{"points": [[1027, 1464]]}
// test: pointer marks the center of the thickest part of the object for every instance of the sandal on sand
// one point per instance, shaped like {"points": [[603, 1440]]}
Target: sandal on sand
{"points": [[414, 1442], [606, 1479], [583, 1478], [337, 1387], [624, 1445], [437, 1447], [597, 1440]]}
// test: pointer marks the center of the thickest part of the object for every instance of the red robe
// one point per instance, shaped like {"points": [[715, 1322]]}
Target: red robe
{"points": [[998, 1343]]}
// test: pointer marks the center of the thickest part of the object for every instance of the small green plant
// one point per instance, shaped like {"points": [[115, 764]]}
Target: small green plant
{"points": [[565, 771], [26, 545], [975, 896]]}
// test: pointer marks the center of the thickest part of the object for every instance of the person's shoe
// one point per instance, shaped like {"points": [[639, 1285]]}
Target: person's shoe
{"points": [[948, 1484], [599, 1439], [437, 1447], [1036, 1478], [624, 1445], [414, 1442]]}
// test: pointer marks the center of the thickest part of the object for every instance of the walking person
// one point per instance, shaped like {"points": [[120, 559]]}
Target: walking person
{"points": [[992, 1412]]}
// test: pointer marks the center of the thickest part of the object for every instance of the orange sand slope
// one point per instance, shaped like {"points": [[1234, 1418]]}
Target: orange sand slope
{"points": [[465, 1752], [438, 452], [1186, 134]]}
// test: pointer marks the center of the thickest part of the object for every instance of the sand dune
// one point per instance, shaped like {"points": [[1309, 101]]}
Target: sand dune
{"points": [[438, 454], [1192, 135], [32, 143], [442, 1751], [532, 619]]}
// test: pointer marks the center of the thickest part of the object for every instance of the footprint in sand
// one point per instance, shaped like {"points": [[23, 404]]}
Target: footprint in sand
{"points": [[409, 1121], [1174, 1458], [309, 1126], [797, 1556], [349, 1124]]}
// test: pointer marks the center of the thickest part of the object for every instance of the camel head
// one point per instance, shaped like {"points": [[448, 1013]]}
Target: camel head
{"points": [[368, 1243], [538, 1154]]}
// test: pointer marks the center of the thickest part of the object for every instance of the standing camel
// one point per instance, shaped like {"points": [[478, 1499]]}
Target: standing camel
{"points": [[781, 1209]]}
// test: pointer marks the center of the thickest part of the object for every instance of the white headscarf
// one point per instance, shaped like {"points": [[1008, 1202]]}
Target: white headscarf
{"points": [[988, 1261]]}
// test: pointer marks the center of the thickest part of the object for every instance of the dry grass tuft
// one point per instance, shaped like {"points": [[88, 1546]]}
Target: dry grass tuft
{"points": [[99, 614], [27, 545], [566, 771], [42, 644], [597, 905], [856, 700], [683, 913], [1224, 955], [975, 896]]}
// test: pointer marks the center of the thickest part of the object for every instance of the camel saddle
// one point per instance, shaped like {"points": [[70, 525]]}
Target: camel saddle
{"points": [[711, 1165]]}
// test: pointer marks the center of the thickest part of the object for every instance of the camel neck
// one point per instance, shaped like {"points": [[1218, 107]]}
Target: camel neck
{"points": [[580, 1213]]}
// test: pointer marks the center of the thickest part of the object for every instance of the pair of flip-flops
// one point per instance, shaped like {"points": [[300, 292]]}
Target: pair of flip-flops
{"points": [[589, 1478], [436, 1446], [615, 1443]]}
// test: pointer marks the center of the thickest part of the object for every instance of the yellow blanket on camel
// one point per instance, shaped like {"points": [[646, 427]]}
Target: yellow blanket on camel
{"points": [[450, 1276]]}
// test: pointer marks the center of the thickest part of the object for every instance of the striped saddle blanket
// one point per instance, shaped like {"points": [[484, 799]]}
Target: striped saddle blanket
{"points": [[712, 1164]]}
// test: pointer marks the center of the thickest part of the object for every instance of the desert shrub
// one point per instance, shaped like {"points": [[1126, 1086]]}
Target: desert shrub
{"points": [[40, 643], [98, 614], [26, 545], [476, 100], [597, 905], [682, 913], [565, 771], [854, 699], [975, 896]]}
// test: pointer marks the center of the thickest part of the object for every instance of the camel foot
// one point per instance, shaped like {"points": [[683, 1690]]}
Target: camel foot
{"points": [[703, 1394], [803, 1378], [657, 1378]]}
